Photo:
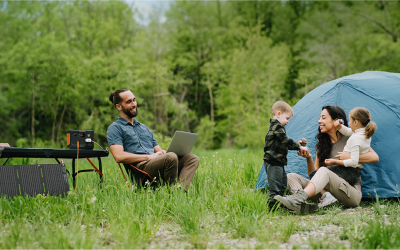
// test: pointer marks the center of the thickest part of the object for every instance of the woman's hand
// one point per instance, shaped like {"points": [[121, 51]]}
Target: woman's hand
{"points": [[304, 152], [343, 155], [330, 162]]}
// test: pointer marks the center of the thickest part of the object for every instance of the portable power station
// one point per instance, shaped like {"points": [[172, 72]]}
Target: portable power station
{"points": [[85, 138]]}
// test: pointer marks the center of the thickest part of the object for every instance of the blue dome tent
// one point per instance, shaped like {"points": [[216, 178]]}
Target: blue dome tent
{"points": [[379, 92]]}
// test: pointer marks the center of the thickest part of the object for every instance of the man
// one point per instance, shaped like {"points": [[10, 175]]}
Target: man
{"points": [[133, 144]]}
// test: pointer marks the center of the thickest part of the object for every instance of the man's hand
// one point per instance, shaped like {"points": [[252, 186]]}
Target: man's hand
{"points": [[330, 162], [343, 156], [161, 152], [337, 124]]}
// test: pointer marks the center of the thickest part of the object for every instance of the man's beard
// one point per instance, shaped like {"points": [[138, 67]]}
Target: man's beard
{"points": [[128, 112]]}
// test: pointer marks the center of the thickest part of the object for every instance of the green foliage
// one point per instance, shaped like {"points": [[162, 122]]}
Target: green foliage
{"points": [[163, 141], [255, 75], [206, 129], [214, 67]]}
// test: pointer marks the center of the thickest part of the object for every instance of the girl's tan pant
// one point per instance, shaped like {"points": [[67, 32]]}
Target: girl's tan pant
{"points": [[325, 179]]}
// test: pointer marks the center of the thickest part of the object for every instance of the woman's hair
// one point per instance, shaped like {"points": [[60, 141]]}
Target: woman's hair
{"points": [[115, 98], [364, 117], [324, 144]]}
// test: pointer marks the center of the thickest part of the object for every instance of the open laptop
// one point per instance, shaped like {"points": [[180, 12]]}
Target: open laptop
{"points": [[182, 143]]}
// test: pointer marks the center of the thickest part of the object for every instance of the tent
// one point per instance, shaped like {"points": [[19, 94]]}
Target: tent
{"points": [[379, 92]]}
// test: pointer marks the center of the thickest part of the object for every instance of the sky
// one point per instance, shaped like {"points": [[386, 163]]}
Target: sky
{"points": [[147, 8]]}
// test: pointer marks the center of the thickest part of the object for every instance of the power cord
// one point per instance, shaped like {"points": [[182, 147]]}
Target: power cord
{"points": [[99, 146], [77, 163]]}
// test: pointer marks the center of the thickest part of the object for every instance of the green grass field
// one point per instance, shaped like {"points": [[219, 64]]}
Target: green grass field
{"points": [[220, 211]]}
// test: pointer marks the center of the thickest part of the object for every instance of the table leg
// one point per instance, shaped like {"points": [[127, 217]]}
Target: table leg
{"points": [[73, 173], [101, 170], [6, 161]]}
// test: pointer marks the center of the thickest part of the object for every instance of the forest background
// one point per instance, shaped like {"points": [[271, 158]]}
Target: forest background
{"points": [[211, 67]]}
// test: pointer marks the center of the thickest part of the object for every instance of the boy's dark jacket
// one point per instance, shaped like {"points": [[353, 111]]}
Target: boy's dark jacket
{"points": [[277, 144]]}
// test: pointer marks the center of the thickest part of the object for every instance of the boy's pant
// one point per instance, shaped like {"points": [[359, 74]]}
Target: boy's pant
{"points": [[277, 179]]}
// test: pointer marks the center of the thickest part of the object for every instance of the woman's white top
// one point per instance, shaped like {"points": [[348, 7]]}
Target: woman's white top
{"points": [[357, 144]]}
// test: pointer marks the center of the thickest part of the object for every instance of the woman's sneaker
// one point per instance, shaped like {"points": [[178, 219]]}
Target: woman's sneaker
{"points": [[327, 199]]}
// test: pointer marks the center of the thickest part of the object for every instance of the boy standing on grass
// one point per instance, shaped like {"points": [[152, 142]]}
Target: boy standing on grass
{"points": [[276, 148]]}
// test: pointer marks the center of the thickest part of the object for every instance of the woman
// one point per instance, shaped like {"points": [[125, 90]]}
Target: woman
{"points": [[330, 145]]}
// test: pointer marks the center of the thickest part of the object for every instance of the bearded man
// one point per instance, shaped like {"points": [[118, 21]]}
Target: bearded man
{"points": [[133, 144]]}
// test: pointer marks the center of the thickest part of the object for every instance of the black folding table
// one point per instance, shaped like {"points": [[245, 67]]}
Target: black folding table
{"points": [[14, 152]]}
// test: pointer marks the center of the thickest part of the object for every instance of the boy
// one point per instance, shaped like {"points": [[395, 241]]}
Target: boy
{"points": [[276, 148]]}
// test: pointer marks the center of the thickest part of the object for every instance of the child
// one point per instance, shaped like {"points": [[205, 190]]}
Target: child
{"points": [[360, 132], [276, 148]]}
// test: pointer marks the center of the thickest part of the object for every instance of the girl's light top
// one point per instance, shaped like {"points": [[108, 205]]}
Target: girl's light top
{"points": [[357, 144]]}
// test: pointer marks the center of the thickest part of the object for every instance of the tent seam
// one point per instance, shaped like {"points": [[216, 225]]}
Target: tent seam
{"points": [[371, 96]]}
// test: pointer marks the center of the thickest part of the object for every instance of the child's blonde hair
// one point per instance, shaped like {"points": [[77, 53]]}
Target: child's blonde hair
{"points": [[281, 106], [364, 117]]}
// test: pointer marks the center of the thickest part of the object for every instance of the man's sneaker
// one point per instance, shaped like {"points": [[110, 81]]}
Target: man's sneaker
{"points": [[294, 202], [327, 199]]}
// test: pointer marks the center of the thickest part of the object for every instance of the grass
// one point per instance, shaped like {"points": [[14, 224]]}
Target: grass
{"points": [[220, 211]]}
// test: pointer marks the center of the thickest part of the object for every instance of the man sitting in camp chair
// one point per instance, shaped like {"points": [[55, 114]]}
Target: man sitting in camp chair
{"points": [[133, 144]]}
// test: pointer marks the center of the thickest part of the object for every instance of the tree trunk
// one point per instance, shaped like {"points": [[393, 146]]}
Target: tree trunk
{"points": [[219, 13], [155, 110], [212, 109], [61, 122], [33, 118], [211, 100], [53, 128], [256, 93]]}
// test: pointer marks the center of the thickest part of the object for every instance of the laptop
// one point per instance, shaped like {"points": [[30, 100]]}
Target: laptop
{"points": [[182, 143]]}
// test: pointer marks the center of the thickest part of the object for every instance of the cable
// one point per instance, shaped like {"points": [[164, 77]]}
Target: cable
{"points": [[77, 166], [99, 145]]}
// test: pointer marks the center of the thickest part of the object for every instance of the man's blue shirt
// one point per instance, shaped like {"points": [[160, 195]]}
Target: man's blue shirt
{"points": [[136, 138]]}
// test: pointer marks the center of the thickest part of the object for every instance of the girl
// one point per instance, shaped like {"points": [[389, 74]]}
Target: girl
{"points": [[360, 132]]}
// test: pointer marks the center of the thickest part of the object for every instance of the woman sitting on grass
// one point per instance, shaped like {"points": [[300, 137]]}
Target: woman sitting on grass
{"points": [[333, 188]]}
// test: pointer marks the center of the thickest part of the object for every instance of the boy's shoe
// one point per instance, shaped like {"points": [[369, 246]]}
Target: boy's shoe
{"points": [[327, 199], [273, 204], [295, 202], [308, 208]]}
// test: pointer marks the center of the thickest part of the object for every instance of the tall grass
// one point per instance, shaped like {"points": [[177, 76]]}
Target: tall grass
{"points": [[220, 206]]}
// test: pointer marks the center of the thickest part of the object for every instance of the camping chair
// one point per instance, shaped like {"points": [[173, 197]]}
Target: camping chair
{"points": [[136, 175]]}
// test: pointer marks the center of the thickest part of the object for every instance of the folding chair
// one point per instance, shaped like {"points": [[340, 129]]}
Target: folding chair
{"points": [[137, 176]]}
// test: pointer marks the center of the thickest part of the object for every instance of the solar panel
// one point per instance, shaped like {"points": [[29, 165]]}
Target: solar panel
{"points": [[31, 180]]}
